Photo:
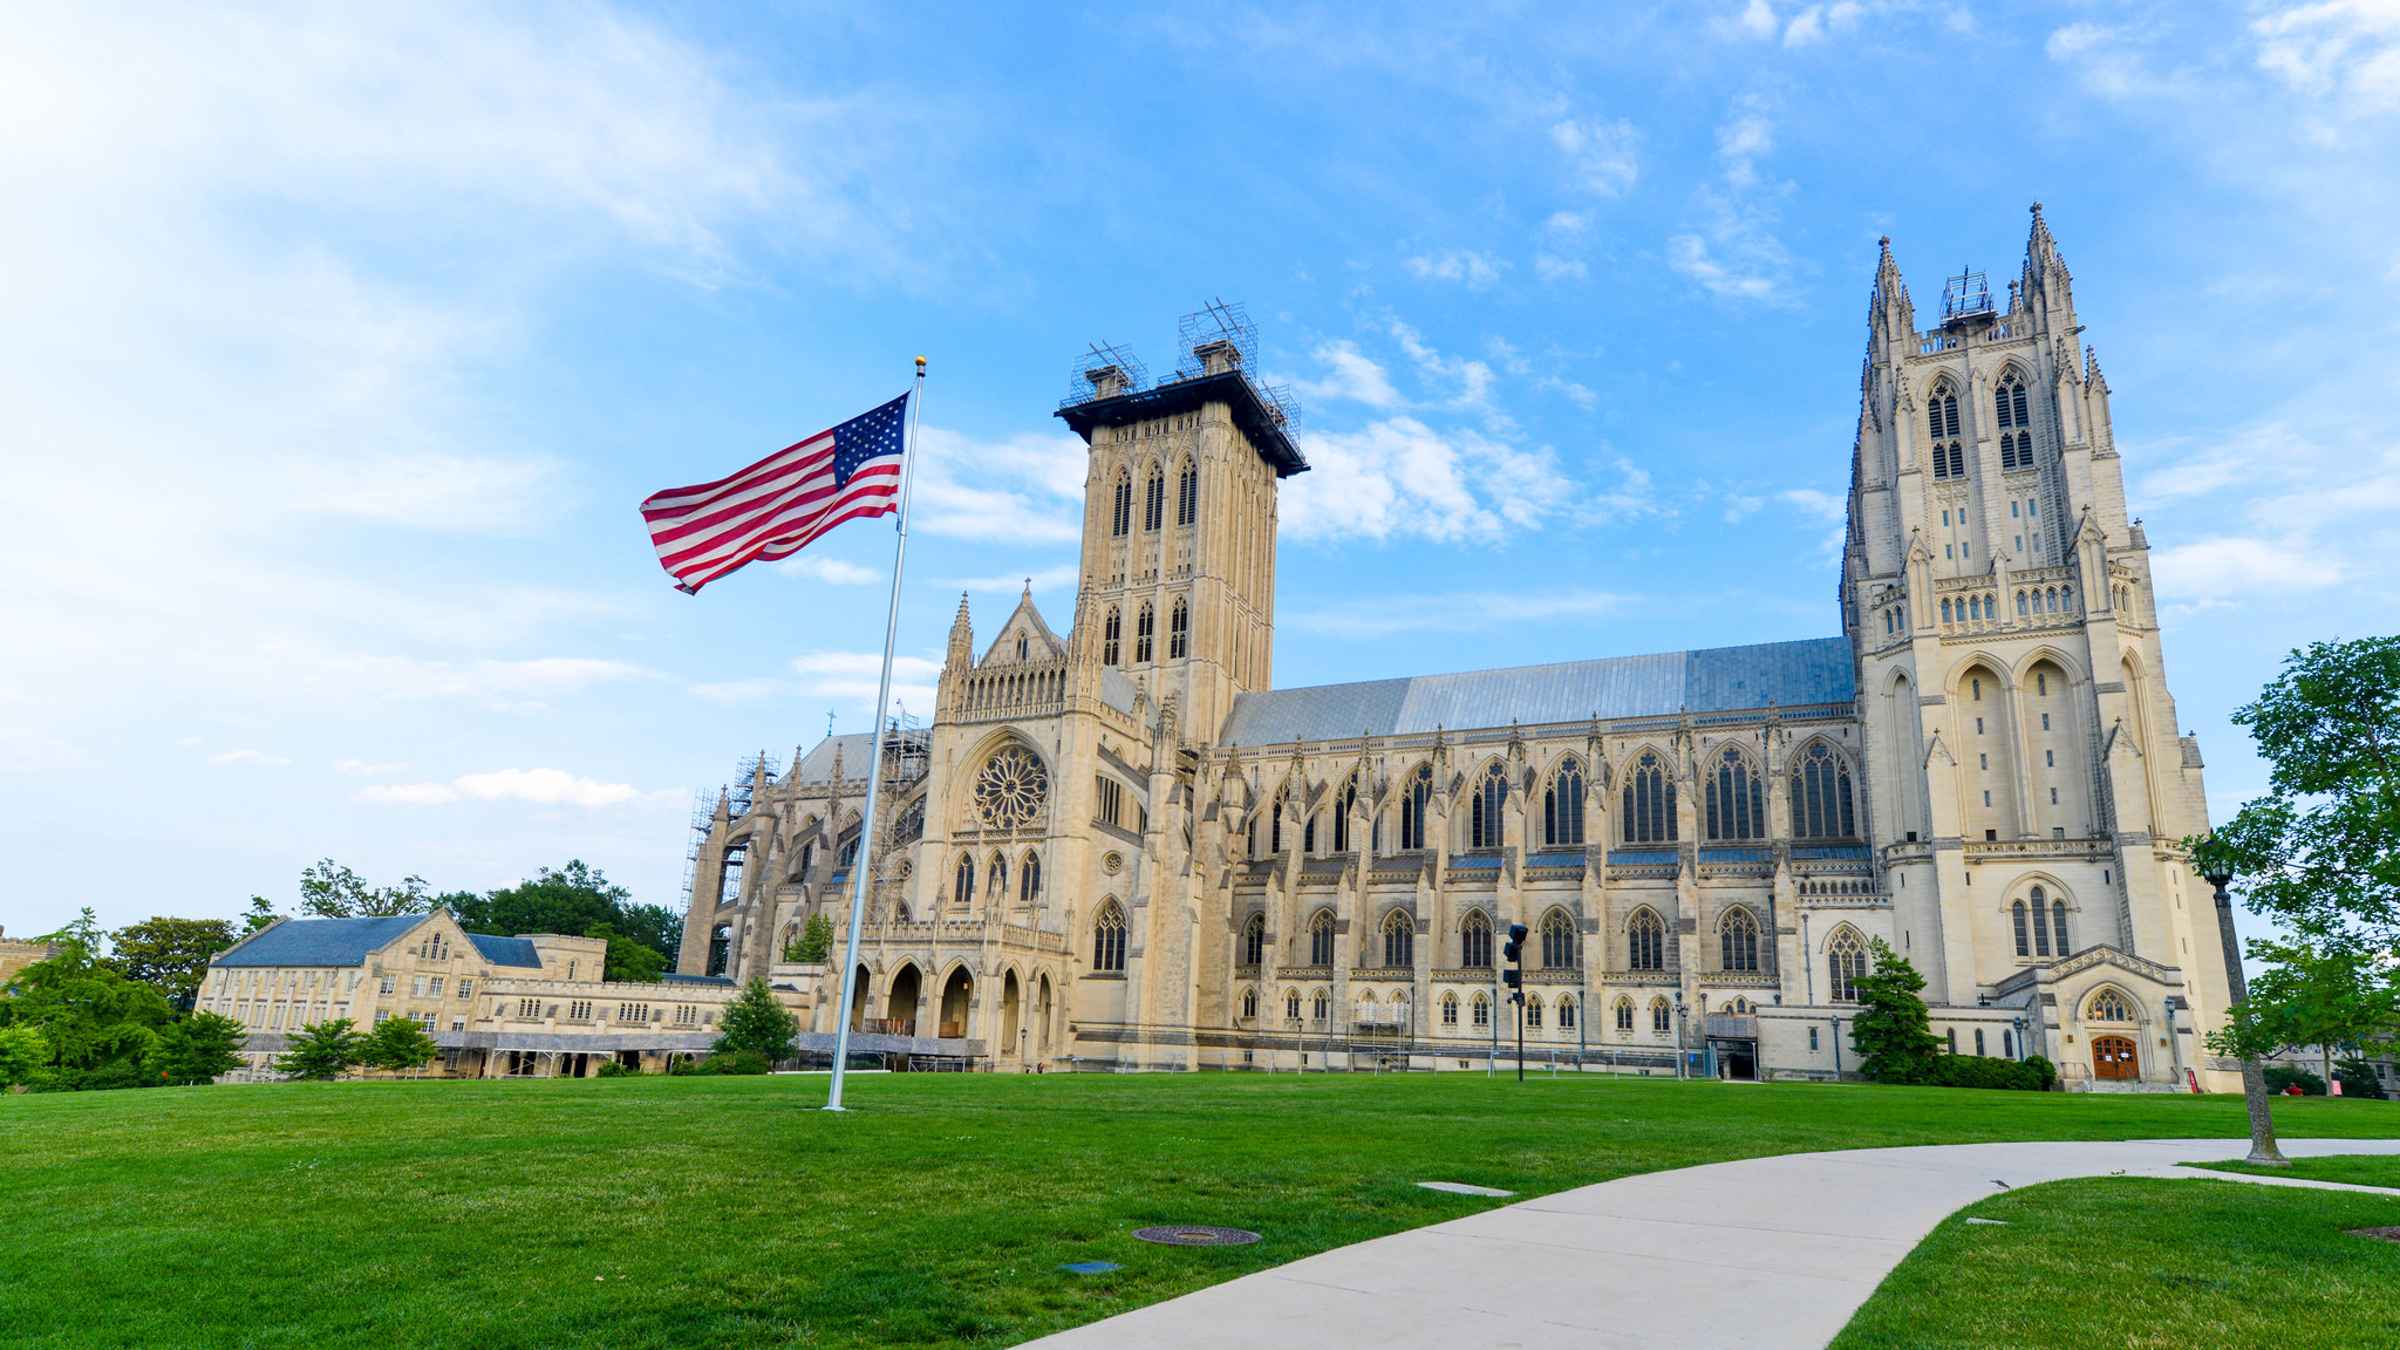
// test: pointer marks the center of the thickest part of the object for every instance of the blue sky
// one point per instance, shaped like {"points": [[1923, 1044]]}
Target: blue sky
{"points": [[341, 347]]}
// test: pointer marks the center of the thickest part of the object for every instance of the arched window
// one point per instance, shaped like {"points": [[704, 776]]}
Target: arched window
{"points": [[1662, 1018], [1645, 942], [2016, 919], [1308, 834], [1320, 938], [2108, 1006], [1483, 829], [1275, 824], [1120, 521], [1558, 941], [1254, 940], [2058, 925], [1846, 963], [1566, 1012], [1144, 628], [1821, 800], [1249, 1003], [2016, 429], [1649, 802], [1483, 1011], [1737, 807], [1029, 880], [1625, 1015], [1344, 802], [1562, 806], [964, 893], [2041, 931], [1399, 941], [1948, 453], [1321, 1005], [1154, 498], [1108, 939], [1533, 1013], [1449, 1010], [1112, 633], [1291, 1004], [1475, 941], [1187, 494], [1737, 941], [1412, 807], [1179, 630]]}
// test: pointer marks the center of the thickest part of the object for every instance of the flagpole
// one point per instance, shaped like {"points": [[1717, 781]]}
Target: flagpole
{"points": [[865, 863]]}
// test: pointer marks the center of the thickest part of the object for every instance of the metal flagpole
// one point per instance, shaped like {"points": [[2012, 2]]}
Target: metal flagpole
{"points": [[883, 698]]}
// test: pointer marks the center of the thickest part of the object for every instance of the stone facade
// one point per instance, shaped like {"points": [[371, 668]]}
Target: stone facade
{"points": [[1123, 848], [16, 954]]}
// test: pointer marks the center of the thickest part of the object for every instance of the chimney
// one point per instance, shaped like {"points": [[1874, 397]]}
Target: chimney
{"points": [[1106, 381], [1218, 357]]}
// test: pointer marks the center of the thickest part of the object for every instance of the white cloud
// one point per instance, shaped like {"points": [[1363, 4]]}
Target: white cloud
{"points": [[1552, 268], [1735, 254], [1399, 476], [1564, 225], [1811, 25], [2345, 51], [1021, 489], [1462, 265], [1058, 576], [369, 768], [1824, 506], [539, 787], [2234, 566], [1689, 255], [1754, 21], [258, 757], [831, 571], [1603, 158], [849, 677], [1581, 395], [1472, 379], [1739, 506], [1350, 375], [1456, 612]]}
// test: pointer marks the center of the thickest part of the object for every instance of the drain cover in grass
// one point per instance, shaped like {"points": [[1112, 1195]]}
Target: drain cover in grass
{"points": [[1461, 1188], [1196, 1235], [1090, 1267]]}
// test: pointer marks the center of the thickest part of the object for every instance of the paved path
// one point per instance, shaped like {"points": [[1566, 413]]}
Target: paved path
{"points": [[1762, 1252]]}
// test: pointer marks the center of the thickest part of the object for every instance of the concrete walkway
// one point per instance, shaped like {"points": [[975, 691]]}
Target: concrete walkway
{"points": [[1763, 1252]]}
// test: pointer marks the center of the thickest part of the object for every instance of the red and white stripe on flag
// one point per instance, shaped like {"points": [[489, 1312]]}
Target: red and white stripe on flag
{"points": [[781, 504]]}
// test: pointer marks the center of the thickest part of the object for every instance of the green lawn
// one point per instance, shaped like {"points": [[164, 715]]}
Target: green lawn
{"points": [[2145, 1262], [2358, 1169], [688, 1211]]}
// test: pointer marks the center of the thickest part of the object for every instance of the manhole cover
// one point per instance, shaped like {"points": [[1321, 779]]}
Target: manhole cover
{"points": [[1090, 1267], [2387, 1234], [1196, 1235]]}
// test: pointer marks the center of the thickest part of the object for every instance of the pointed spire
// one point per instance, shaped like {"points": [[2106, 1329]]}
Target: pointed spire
{"points": [[2091, 370], [1889, 310], [962, 636], [2045, 271], [758, 770], [724, 802]]}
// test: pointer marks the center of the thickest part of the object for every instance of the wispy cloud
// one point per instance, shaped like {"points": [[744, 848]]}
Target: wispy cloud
{"points": [[369, 768], [257, 757], [1456, 612], [1474, 269], [1603, 157], [831, 571], [538, 787], [1350, 376], [1400, 477], [1057, 576], [1734, 254]]}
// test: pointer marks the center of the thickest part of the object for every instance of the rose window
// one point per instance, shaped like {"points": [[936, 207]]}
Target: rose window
{"points": [[1010, 788]]}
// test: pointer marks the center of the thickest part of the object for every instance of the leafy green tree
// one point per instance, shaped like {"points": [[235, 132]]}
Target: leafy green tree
{"points": [[1892, 1033], [89, 1014], [2358, 1079], [328, 890], [2310, 997], [628, 959], [196, 1049], [23, 1053], [324, 1051], [576, 898], [816, 940], [398, 1043], [2319, 853], [757, 1024], [260, 914], [170, 953]]}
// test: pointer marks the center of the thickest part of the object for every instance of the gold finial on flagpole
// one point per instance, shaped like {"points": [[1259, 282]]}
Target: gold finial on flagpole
{"points": [[920, 365]]}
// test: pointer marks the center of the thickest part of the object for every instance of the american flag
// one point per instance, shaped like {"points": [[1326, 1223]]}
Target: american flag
{"points": [[779, 505]]}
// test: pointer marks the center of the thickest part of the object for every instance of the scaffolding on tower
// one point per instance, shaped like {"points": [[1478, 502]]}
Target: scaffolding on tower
{"points": [[1098, 358]]}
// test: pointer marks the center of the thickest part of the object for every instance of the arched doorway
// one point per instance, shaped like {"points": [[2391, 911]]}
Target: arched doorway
{"points": [[858, 1001], [900, 1009], [2114, 1059], [957, 993], [1010, 997]]}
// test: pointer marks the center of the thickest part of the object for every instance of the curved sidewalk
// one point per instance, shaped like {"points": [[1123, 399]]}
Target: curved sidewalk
{"points": [[1762, 1252]]}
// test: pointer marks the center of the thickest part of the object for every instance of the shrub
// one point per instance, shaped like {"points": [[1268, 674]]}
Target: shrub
{"points": [[2044, 1070], [2357, 1078], [739, 1062], [1981, 1071], [2280, 1078], [756, 1023], [614, 1069]]}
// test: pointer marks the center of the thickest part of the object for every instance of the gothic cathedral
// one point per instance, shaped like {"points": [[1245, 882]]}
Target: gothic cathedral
{"points": [[1124, 848]]}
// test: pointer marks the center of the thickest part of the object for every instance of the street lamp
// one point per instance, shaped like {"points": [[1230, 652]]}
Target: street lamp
{"points": [[1682, 1034], [2254, 1079]]}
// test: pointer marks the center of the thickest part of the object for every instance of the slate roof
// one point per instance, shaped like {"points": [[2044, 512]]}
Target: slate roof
{"points": [[857, 747], [1716, 679], [349, 942]]}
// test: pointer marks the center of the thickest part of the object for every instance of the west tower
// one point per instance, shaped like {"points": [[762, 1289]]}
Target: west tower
{"points": [[1178, 584]]}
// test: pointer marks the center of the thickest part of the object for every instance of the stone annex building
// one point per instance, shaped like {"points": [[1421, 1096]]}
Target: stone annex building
{"points": [[1123, 847]]}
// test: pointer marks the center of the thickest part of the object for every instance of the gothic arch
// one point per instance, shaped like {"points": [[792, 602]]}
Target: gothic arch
{"points": [[1845, 955], [1738, 939], [1823, 796], [1648, 812], [1560, 937], [2110, 1004], [1987, 745], [1487, 790], [1645, 939], [1733, 794], [1563, 787]]}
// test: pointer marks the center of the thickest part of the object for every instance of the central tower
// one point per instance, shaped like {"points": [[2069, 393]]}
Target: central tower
{"points": [[1178, 584]]}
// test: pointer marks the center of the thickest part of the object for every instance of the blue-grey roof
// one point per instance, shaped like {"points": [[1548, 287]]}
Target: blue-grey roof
{"points": [[696, 979], [1709, 854], [506, 951], [1716, 679], [319, 942], [1474, 861], [857, 747], [1116, 689], [1833, 852], [1640, 857], [1559, 858]]}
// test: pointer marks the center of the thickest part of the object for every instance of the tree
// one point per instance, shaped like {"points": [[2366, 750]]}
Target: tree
{"points": [[329, 890], [172, 954], [2358, 1079], [261, 913], [756, 1023], [1892, 1034], [2307, 996], [2319, 853], [23, 1053], [628, 959], [576, 898], [197, 1049], [816, 941], [398, 1043], [324, 1051], [92, 1018]]}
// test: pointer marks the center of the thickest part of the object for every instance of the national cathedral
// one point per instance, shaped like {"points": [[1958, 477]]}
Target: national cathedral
{"points": [[1123, 847]]}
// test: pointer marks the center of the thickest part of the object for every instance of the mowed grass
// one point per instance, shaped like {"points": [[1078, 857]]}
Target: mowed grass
{"points": [[2145, 1262], [693, 1211], [2357, 1169]]}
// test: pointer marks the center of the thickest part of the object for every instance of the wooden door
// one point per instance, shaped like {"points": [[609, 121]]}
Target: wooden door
{"points": [[2114, 1057]]}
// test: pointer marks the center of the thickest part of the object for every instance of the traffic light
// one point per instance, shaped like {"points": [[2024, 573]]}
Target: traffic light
{"points": [[1515, 950], [1512, 977]]}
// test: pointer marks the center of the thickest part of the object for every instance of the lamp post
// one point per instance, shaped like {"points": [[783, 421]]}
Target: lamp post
{"points": [[1681, 1036], [2254, 1079]]}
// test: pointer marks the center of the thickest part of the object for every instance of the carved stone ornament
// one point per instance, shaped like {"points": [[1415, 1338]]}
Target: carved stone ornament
{"points": [[1010, 788]]}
